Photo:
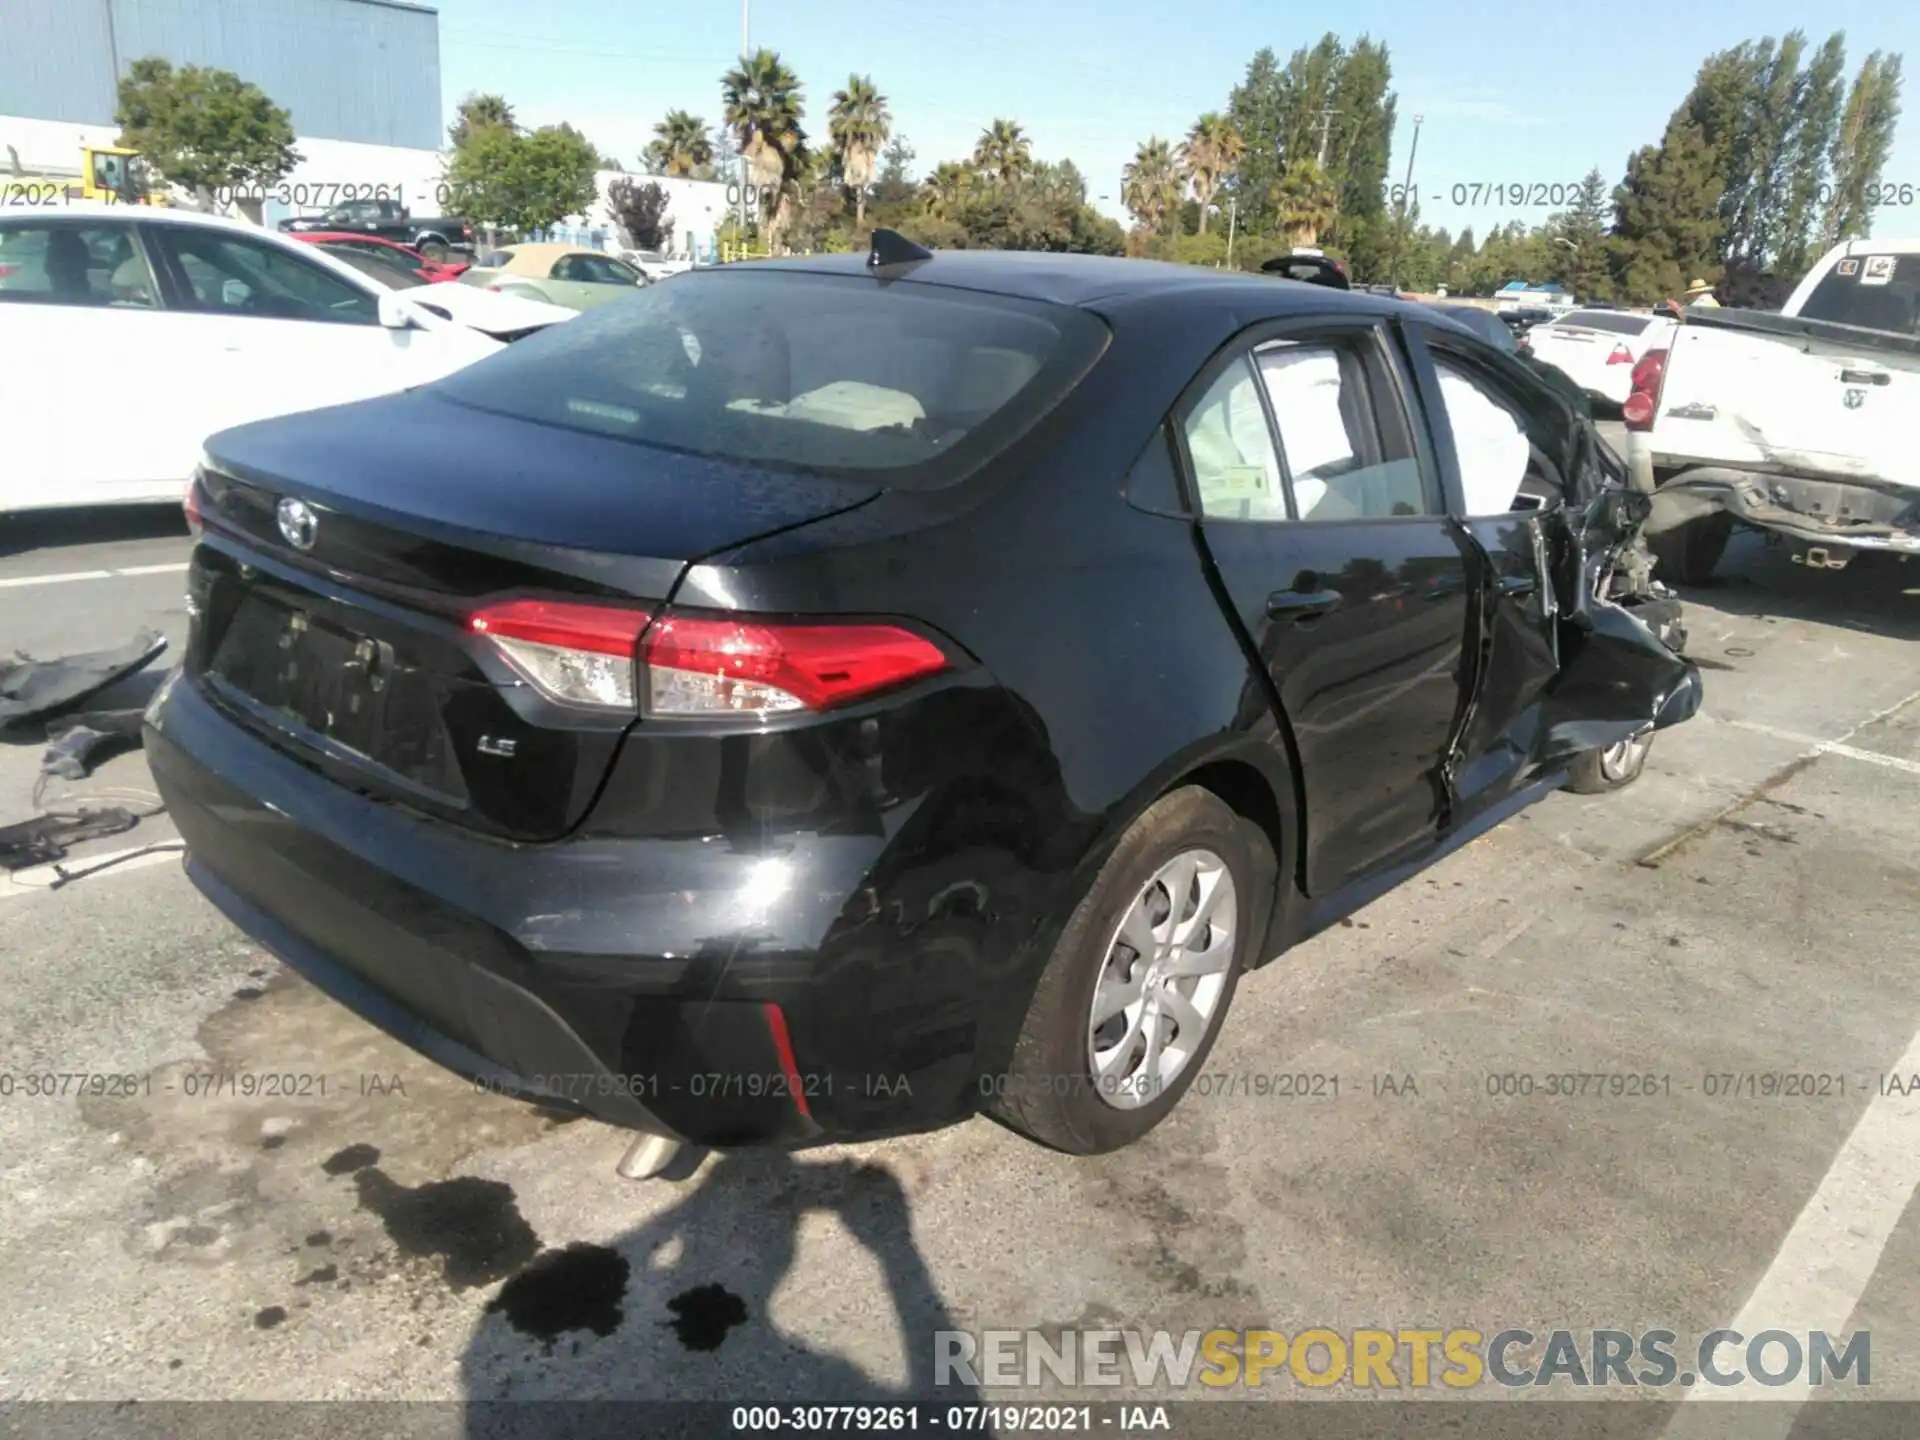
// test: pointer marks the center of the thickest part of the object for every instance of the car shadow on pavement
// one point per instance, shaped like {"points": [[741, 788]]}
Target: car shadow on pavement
{"points": [[680, 1309], [49, 529], [1875, 596]]}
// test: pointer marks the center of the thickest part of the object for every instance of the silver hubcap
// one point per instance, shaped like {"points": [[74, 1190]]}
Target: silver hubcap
{"points": [[1619, 761], [1160, 984]]}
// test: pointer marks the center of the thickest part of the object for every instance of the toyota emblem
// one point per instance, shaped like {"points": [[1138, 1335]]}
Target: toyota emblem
{"points": [[298, 523]]}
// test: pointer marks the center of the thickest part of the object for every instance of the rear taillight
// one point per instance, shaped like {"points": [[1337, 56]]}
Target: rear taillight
{"points": [[1649, 374], [695, 666], [699, 666], [575, 654], [1621, 356]]}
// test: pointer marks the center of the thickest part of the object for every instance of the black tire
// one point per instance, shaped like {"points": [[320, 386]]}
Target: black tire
{"points": [[1048, 1093], [1598, 771], [434, 250], [1686, 554]]}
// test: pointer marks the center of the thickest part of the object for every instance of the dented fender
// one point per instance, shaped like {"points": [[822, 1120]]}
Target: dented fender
{"points": [[1616, 679]]}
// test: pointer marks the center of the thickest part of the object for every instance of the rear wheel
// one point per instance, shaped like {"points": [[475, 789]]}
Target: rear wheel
{"points": [[1686, 554], [1613, 767], [1134, 994]]}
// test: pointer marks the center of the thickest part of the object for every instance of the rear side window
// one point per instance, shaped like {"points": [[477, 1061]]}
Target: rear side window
{"points": [[1347, 458], [912, 385], [93, 265], [1612, 321], [1875, 292]]}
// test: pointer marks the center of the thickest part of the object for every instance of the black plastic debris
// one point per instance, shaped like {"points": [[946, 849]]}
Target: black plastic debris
{"points": [[31, 689], [79, 742], [45, 838]]}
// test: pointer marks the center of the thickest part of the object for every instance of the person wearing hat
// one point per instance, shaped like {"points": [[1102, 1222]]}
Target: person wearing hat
{"points": [[1701, 293]]}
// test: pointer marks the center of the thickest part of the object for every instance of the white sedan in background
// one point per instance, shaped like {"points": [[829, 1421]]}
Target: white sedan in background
{"points": [[129, 334], [1597, 349]]}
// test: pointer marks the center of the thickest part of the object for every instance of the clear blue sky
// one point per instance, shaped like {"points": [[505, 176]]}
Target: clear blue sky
{"points": [[1512, 93]]}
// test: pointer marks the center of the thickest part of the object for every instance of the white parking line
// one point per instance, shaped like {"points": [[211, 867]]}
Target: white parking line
{"points": [[17, 582], [74, 867], [20, 580], [1829, 1256], [1816, 746]]}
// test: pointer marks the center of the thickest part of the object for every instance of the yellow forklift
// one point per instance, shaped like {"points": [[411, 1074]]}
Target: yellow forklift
{"points": [[117, 176]]}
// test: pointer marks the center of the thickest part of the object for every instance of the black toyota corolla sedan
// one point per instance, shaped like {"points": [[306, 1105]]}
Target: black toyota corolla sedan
{"points": [[825, 698]]}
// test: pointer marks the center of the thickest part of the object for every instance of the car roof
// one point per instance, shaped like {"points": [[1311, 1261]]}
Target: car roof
{"points": [[1083, 280], [83, 210]]}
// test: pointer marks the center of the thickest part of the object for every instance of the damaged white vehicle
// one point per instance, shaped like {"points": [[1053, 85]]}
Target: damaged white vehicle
{"points": [[1800, 424]]}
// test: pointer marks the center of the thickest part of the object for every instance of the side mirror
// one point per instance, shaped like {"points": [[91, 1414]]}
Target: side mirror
{"points": [[395, 314]]}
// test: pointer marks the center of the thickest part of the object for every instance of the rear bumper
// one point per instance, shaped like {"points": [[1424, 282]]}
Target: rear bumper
{"points": [[627, 980], [1816, 512]]}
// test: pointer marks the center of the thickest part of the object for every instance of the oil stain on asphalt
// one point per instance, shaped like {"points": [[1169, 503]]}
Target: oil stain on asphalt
{"points": [[703, 1315], [581, 1287], [474, 1226]]}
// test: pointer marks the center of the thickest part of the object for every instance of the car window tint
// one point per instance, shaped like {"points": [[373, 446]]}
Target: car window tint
{"points": [[1875, 292], [96, 265], [1489, 439], [232, 275], [1236, 471], [791, 369], [1341, 463], [594, 270]]}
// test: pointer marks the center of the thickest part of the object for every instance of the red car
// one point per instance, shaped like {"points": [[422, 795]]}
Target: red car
{"points": [[432, 271]]}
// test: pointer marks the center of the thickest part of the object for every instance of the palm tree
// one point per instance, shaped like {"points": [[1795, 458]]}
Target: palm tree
{"points": [[681, 146], [942, 191], [1212, 151], [1003, 152], [763, 109], [480, 112], [1150, 186], [1307, 201], [859, 124]]}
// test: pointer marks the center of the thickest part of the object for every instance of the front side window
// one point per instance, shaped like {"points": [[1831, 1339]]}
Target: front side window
{"points": [[1501, 469], [595, 270], [234, 275], [1347, 456], [92, 265], [913, 384]]}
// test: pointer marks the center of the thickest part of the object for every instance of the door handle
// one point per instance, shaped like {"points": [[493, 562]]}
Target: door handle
{"points": [[1865, 377], [1303, 605]]}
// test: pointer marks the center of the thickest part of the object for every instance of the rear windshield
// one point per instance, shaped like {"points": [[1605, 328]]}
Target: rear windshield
{"points": [[1613, 321], [907, 384], [1875, 292]]}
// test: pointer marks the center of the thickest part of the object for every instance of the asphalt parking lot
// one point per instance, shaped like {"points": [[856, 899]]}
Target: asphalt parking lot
{"points": [[1745, 911]]}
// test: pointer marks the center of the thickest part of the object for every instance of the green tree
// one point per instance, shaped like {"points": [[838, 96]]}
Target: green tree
{"points": [[858, 125], [1860, 148], [1307, 201], [764, 106], [204, 129], [944, 191], [1003, 153], [641, 211], [1256, 109], [1577, 253], [1807, 163], [1212, 149], [480, 112], [681, 147], [1667, 223], [1150, 185], [503, 179], [894, 184]]}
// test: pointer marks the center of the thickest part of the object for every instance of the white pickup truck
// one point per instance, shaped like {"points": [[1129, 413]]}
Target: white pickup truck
{"points": [[1804, 424]]}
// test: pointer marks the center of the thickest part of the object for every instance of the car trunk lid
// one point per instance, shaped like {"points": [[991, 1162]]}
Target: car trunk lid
{"points": [[344, 635]]}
